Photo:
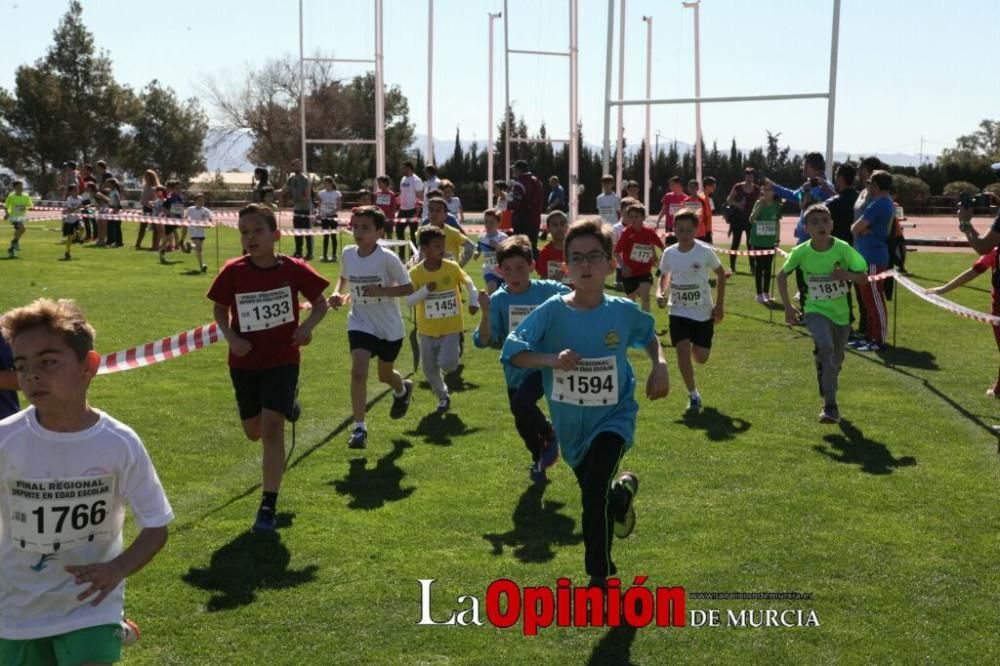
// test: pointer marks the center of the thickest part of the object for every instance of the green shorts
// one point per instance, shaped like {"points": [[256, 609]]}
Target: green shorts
{"points": [[98, 645]]}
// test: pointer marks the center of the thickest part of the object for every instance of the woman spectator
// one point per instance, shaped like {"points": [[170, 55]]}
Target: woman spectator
{"points": [[740, 203], [150, 181]]}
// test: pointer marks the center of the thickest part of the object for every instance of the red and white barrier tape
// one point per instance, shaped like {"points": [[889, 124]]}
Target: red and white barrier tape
{"points": [[945, 304], [225, 218], [745, 253], [161, 350]]}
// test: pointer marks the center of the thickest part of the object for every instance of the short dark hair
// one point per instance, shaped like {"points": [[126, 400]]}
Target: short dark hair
{"points": [[710, 181], [521, 165], [686, 214], [436, 200], [515, 246], [638, 207], [882, 179], [198, 195], [848, 172], [173, 183], [430, 168], [428, 234], [675, 179], [63, 318], [491, 212], [871, 163], [555, 214], [595, 228], [436, 193], [693, 181], [263, 211], [374, 212], [383, 179], [815, 160], [408, 163], [102, 163], [501, 185], [816, 209]]}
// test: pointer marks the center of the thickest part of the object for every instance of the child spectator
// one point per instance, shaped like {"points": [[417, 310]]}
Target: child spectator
{"points": [[608, 203], [198, 213], [670, 205], [329, 204], [454, 203], [764, 234], [71, 219]]}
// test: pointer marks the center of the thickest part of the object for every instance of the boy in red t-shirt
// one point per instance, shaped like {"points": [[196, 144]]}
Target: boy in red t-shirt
{"points": [[989, 261], [704, 232], [256, 300], [670, 205], [636, 249], [550, 264], [387, 200]]}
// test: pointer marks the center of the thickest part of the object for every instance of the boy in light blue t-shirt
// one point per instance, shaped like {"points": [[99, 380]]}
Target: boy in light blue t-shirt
{"points": [[580, 341]]}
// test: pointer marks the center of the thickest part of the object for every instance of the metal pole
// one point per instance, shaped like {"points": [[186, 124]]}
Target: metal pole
{"points": [[606, 152], [832, 99], [619, 168], [430, 81], [379, 94], [649, 87], [506, 93], [302, 92], [574, 135], [697, 89], [489, 119]]}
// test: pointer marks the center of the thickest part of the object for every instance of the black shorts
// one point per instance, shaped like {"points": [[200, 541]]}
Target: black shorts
{"points": [[69, 228], [697, 332], [273, 388], [384, 350], [169, 229], [631, 284], [328, 223], [410, 215]]}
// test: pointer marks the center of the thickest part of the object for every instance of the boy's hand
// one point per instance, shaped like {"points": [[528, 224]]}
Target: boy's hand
{"points": [[567, 359], [661, 300], [103, 578], [371, 290], [338, 300], [473, 308], [302, 336], [792, 315], [935, 290], [717, 313], [239, 346], [658, 384], [431, 286], [484, 300], [626, 271]]}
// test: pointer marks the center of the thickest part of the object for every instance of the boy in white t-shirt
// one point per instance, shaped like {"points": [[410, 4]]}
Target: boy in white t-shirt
{"points": [[374, 277], [411, 197], [67, 472], [71, 218], [329, 204], [608, 203], [198, 213], [693, 316]]}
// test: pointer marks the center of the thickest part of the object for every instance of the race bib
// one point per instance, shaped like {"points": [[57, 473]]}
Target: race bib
{"points": [[609, 214], [49, 515], [441, 304], [327, 209], [489, 262], [641, 254], [177, 209], [674, 209], [554, 269], [824, 287], [766, 227], [693, 205], [358, 284], [592, 383], [383, 199], [516, 314], [19, 209], [688, 295], [260, 310]]}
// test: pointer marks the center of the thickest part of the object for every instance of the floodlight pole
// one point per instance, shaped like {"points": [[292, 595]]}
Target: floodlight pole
{"points": [[302, 91], [430, 82], [606, 146], [379, 93], [506, 94], [697, 89], [619, 167], [489, 119], [574, 121], [649, 92], [832, 99]]}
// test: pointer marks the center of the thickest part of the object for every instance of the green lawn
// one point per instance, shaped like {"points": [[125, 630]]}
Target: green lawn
{"points": [[890, 520]]}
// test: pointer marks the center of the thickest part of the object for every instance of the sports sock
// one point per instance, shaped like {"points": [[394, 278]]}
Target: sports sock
{"points": [[269, 501], [360, 424], [694, 394], [401, 393]]}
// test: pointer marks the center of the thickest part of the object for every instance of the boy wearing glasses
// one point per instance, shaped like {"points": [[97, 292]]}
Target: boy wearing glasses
{"points": [[580, 342]]}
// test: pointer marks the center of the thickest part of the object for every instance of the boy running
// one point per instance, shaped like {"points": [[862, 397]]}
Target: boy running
{"points": [[580, 342], [374, 277], [16, 209], [438, 300], [486, 246], [637, 248], [257, 311], [827, 265], [687, 266], [198, 213], [503, 311], [63, 563], [71, 219]]}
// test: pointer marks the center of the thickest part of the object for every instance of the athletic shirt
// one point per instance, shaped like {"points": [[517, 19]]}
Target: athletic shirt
{"points": [[441, 312], [874, 246], [672, 204], [604, 380], [409, 186], [487, 246], [636, 249], [329, 203], [690, 291], [607, 207], [17, 206], [550, 263], [62, 502], [72, 202], [508, 310], [375, 315], [432, 183], [705, 218], [764, 230], [8, 399], [386, 200], [824, 295], [196, 214], [174, 205], [264, 307], [454, 206]]}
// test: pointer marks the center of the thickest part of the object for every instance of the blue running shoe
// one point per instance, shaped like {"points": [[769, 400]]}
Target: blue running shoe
{"points": [[550, 454], [266, 521]]}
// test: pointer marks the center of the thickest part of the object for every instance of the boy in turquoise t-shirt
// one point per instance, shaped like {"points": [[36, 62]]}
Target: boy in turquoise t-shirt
{"points": [[580, 341], [16, 209], [827, 265]]}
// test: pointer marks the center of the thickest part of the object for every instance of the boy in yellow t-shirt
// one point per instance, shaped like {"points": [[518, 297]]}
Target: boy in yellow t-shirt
{"points": [[437, 284], [16, 209]]}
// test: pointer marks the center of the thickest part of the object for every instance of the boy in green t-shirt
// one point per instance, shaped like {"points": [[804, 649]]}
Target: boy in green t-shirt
{"points": [[16, 209], [827, 264]]}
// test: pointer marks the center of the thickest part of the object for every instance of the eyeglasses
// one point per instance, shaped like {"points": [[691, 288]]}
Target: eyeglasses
{"points": [[589, 258]]}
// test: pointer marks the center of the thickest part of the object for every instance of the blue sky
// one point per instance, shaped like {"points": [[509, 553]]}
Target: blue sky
{"points": [[906, 69]]}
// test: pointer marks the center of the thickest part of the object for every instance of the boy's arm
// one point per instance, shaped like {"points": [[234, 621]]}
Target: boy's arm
{"points": [[791, 312], [564, 360], [484, 334], [338, 298], [303, 334], [782, 192], [104, 577], [720, 294], [239, 346], [468, 247], [955, 282], [658, 384]]}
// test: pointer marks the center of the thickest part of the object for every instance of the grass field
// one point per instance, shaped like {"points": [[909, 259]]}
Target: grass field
{"points": [[889, 520]]}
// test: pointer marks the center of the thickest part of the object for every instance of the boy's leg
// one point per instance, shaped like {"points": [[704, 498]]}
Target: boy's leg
{"points": [[529, 419], [450, 352], [359, 383], [199, 250], [387, 374], [830, 340], [700, 354], [684, 363], [800, 283], [594, 475], [644, 294], [429, 360], [272, 434]]}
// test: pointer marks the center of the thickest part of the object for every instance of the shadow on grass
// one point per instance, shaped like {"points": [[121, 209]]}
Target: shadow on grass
{"points": [[853, 448], [538, 526], [247, 564], [439, 429], [373, 488], [718, 426], [456, 383], [615, 647], [910, 358]]}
